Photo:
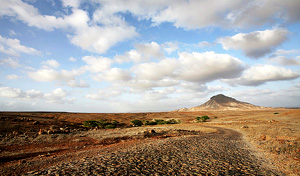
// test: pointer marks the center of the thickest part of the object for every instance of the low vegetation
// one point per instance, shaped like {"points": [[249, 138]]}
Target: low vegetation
{"points": [[161, 122], [104, 124], [137, 122], [202, 119]]}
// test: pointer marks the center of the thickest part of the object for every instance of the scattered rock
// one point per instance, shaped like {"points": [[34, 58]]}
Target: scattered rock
{"points": [[245, 126], [36, 123]]}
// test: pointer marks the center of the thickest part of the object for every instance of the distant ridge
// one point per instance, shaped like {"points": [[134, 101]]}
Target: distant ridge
{"points": [[222, 102]]}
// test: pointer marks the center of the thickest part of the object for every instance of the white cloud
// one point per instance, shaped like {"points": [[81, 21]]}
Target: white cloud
{"points": [[260, 74], [63, 76], [13, 76], [52, 63], [283, 60], [11, 92], [72, 59], [57, 95], [14, 63], [150, 49], [14, 48], [96, 64], [104, 94], [190, 67], [71, 3], [205, 44], [285, 57], [81, 83], [144, 52], [255, 44], [85, 32], [260, 12], [30, 15], [170, 47], [198, 14], [113, 74], [132, 55], [155, 71], [208, 66], [18, 93]]}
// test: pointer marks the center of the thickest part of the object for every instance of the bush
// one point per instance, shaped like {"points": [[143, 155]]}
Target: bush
{"points": [[161, 122], [172, 121], [110, 126], [150, 123], [101, 123], [137, 122], [91, 123], [202, 119], [276, 113]]}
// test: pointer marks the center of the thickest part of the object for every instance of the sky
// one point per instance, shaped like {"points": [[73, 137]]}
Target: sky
{"points": [[147, 56]]}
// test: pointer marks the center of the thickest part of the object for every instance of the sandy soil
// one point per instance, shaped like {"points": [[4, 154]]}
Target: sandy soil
{"points": [[274, 133]]}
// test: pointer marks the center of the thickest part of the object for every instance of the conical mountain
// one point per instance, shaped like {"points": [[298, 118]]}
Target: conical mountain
{"points": [[222, 102]]}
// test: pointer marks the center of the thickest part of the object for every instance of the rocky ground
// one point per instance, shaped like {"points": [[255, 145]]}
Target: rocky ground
{"points": [[221, 153]]}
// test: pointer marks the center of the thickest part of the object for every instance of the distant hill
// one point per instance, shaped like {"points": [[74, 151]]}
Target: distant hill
{"points": [[222, 102]]}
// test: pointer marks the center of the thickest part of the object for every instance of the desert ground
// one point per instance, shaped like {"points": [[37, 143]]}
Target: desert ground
{"points": [[257, 142]]}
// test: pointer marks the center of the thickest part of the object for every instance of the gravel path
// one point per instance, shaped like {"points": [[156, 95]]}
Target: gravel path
{"points": [[222, 153]]}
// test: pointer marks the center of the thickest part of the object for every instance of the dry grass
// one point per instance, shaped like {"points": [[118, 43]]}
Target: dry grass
{"points": [[275, 132]]}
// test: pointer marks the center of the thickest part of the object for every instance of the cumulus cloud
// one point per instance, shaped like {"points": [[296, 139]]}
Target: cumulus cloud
{"points": [[143, 52], [155, 71], [85, 32], [132, 55], [104, 94], [208, 66], [255, 44], [96, 64], [285, 57], [150, 49], [198, 14], [14, 63], [13, 76], [62, 76], [260, 74], [72, 59], [283, 60], [9, 92], [170, 47], [13, 47], [190, 67], [99, 39], [80, 83], [52, 63], [113, 74]]}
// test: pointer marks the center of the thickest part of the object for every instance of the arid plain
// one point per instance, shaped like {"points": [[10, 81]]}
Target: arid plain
{"points": [[26, 145]]}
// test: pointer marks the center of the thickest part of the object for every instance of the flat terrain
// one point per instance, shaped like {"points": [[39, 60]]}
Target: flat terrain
{"points": [[262, 142]]}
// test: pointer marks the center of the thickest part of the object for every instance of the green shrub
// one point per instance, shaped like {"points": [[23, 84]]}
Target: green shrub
{"points": [[202, 119], [216, 117], [91, 123], [150, 123], [172, 121], [110, 126], [101, 123], [161, 122], [137, 122], [276, 113]]}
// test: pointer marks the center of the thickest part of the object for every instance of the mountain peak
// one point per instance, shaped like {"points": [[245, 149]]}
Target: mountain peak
{"points": [[220, 98], [222, 102]]}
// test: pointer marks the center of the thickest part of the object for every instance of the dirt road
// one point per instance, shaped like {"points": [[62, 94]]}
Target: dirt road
{"points": [[221, 153]]}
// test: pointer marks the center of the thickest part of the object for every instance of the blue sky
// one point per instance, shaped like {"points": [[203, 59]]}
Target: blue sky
{"points": [[140, 55]]}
